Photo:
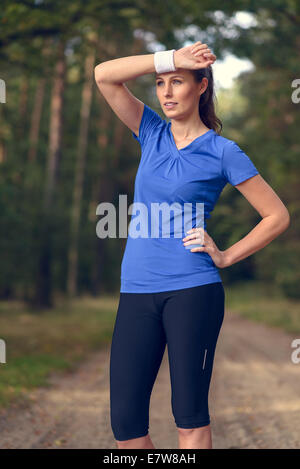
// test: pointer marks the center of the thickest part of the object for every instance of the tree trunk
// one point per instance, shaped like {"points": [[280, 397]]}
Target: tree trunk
{"points": [[36, 119], [23, 107], [102, 192], [38, 105], [44, 281], [79, 173]]}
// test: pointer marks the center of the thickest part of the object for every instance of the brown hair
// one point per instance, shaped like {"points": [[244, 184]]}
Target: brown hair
{"points": [[206, 102]]}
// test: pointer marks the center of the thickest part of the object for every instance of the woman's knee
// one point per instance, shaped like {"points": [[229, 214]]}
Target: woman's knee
{"points": [[142, 442], [128, 419]]}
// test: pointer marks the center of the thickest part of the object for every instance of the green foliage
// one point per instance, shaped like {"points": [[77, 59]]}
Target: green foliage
{"points": [[285, 273], [264, 303]]}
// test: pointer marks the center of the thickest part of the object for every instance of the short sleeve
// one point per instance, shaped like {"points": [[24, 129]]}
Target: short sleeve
{"points": [[149, 122], [236, 165]]}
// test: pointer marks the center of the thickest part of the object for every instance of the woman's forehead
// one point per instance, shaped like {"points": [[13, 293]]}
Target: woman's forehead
{"points": [[178, 73]]}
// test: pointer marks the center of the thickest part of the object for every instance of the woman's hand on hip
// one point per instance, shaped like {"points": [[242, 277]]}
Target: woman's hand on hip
{"points": [[200, 236], [193, 57]]}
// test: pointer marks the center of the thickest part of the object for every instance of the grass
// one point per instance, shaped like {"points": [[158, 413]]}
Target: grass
{"points": [[263, 303], [53, 340]]}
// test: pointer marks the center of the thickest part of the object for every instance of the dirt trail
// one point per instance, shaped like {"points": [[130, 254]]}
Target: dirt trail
{"points": [[254, 398]]}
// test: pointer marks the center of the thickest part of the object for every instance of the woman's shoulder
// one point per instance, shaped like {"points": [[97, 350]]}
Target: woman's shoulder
{"points": [[223, 145], [150, 123], [221, 141]]}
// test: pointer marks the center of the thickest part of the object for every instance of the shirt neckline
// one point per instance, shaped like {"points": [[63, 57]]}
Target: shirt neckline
{"points": [[189, 146]]}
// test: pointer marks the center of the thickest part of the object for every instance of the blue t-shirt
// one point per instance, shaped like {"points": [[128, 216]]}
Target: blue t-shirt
{"points": [[155, 259]]}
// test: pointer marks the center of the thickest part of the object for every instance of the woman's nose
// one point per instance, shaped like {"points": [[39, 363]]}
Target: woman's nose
{"points": [[167, 91]]}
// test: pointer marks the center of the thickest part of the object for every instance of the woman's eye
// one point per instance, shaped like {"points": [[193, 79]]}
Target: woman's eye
{"points": [[159, 82]]}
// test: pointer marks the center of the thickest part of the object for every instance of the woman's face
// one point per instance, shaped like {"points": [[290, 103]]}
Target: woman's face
{"points": [[181, 88]]}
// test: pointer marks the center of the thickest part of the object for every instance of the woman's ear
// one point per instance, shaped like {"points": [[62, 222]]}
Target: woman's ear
{"points": [[203, 85]]}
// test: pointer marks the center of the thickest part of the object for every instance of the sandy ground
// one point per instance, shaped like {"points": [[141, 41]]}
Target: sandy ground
{"points": [[254, 398]]}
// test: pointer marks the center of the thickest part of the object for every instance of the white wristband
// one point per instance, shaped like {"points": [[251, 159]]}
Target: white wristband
{"points": [[164, 61]]}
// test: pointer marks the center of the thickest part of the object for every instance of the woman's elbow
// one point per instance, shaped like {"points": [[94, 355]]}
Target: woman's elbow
{"points": [[97, 73], [285, 219]]}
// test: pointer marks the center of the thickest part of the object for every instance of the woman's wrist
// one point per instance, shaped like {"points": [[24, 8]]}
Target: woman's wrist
{"points": [[226, 259], [164, 61]]}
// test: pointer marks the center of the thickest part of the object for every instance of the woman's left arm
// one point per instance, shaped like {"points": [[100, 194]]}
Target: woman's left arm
{"points": [[275, 220]]}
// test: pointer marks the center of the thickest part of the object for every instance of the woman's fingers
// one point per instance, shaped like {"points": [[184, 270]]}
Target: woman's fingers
{"points": [[210, 58], [206, 60], [198, 45], [205, 53], [198, 235], [202, 50]]}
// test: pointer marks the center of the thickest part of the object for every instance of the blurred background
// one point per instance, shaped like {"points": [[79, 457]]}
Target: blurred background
{"points": [[63, 151]]}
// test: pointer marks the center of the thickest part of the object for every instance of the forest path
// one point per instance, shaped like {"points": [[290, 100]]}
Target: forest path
{"points": [[254, 398]]}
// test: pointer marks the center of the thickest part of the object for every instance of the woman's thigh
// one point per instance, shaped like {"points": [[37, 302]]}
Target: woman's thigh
{"points": [[192, 320]]}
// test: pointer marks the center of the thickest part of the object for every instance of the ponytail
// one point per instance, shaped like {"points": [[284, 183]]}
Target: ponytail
{"points": [[206, 102]]}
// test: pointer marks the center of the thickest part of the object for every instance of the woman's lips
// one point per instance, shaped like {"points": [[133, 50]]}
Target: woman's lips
{"points": [[169, 106]]}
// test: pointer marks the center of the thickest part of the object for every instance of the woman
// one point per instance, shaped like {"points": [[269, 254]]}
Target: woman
{"points": [[171, 291]]}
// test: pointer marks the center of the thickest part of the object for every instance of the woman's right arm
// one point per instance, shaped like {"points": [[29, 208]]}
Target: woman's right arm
{"points": [[110, 77]]}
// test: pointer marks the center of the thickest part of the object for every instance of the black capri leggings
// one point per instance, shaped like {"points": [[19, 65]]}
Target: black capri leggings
{"points": [[189, 321]]}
